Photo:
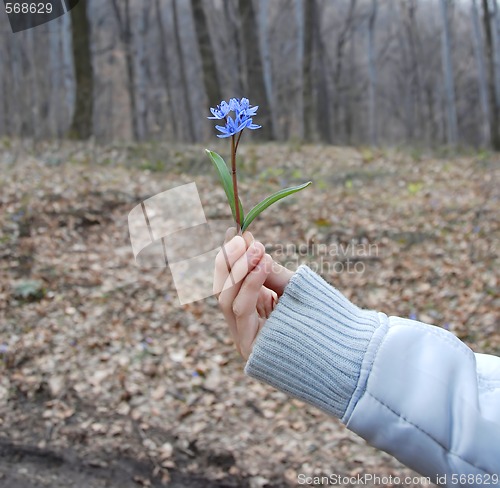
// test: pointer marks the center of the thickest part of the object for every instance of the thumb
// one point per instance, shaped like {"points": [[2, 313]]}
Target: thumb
{"points": [[278, 278]]}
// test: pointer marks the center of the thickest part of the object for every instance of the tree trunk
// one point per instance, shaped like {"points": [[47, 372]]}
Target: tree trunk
{"points": [[494, 122], [191, 135], [56, 70], [126, 36], [255, 71], [232, 19], [495, 34], [140, 68], [209, 67], [451, 112], [299, 20], [35, 86], [3, 94], [350, 112], [81, 125], [308, 69], [481, 71], [266, 61], [68, 76], [342, 39], [16, 102], [372, 76], [416, 78], [323, 107], [165, 69]]}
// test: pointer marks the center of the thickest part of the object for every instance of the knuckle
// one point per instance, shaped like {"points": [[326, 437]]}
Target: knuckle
{"points": [[237, 309]]}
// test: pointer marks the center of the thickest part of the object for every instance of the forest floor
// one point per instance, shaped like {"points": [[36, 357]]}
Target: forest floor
{"points": [[106, 381]]}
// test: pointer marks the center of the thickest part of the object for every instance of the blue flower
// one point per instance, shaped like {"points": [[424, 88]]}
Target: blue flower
{"points": [[242, 107], [221, 111], [243, 116], [232, 127]]}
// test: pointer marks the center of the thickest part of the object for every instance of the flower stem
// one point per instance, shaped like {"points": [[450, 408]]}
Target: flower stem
{"points": [[235, 184], [238, 141]]}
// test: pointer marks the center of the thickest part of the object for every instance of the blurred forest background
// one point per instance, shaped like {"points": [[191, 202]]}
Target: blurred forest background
{"points": [[345, 72]]}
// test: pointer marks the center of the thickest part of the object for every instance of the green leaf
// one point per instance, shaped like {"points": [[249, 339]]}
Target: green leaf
{"points": [[226, 180], [260, 207], [31, 290]]}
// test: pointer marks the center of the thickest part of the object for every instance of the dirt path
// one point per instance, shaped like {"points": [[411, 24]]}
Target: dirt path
{"points": [[106, 381]]}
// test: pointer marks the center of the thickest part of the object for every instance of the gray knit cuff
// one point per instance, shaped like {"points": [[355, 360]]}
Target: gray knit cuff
{"points": [[312, 346]]}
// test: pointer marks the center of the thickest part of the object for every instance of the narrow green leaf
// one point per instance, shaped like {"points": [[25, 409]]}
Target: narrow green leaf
{"points": [[226, 180], [260, 207]]}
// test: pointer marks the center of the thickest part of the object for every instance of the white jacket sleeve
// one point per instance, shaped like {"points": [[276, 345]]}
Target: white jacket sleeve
{"points": [[411, 389]]}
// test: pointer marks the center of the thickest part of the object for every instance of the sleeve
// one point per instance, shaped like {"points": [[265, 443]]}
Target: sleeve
{"points": [[411, 389]]}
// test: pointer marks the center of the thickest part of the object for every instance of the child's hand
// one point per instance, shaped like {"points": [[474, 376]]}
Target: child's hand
{"points": [[248, 283]]}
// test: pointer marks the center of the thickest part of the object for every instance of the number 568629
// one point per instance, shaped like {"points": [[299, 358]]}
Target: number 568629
{"points": [[28, 8]]}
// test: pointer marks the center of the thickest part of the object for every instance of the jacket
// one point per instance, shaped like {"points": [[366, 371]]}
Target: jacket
{"points": [[411, 389]]}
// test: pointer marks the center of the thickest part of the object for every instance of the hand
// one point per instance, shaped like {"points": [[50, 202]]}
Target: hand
{"points": [[248, 284]]}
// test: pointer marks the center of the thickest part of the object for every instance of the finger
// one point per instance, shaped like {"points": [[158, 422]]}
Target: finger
{"points": [[239, 271], [249, 239], [245, 303], [230, 233], [278, 278], [229, 292], [225, 259], [266, 302]]}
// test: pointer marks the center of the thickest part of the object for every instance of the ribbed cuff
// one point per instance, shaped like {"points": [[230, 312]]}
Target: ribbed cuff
{"points": [[312, 345]]}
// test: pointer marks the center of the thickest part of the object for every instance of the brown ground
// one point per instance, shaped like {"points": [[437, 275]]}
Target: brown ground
{"points": [[106, 381]]}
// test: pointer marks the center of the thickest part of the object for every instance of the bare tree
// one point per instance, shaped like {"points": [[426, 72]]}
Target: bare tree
{"points": [[140, 65], [165, 68], [299, 20], [237, 78], [68, 74], [451, 111], [55, 60], [494, 120], [416, 119], [481, 71], [16, 101], [350, 95], [126, 36], [256, 88], [372, 75], [342, 39], [209, 67], [310, 19], [3, 90], [323, 74], [266, 59], [191, 133], [495, 35], [81, 125]]}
